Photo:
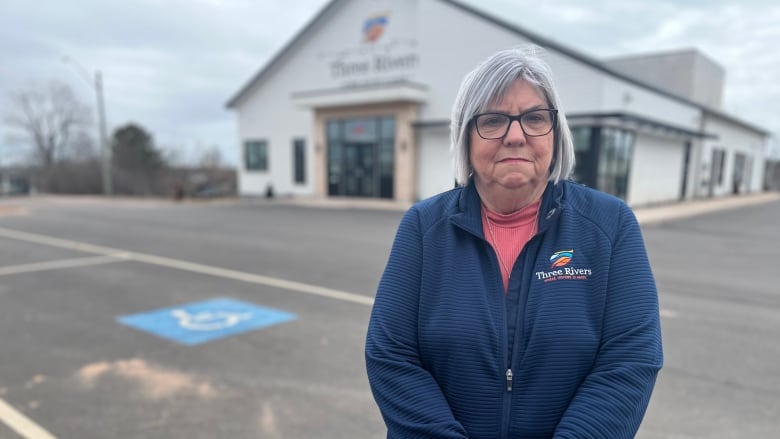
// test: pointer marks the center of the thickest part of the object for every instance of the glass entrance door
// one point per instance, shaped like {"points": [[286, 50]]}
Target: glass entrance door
{"points": [[359, 169], [361, 158]]}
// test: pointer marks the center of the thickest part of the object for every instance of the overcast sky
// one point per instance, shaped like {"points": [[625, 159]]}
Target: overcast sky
{"points": [[170, 65]]}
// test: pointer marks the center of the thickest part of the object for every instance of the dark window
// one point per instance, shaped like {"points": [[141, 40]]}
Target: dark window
{"points": [[361, 157], [615, 154], [718, 163], [686, 165], [585, 140], [299, 160], [256, 155]]}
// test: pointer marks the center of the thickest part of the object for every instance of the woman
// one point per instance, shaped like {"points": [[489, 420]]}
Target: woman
{"points": [[520, 304]]}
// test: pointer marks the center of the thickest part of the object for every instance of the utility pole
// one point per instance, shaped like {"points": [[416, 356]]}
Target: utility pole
{"points": [[105, 151]]}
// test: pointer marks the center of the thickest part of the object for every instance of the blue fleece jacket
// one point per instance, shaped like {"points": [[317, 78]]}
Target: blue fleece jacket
{"points": [[571, 351]]}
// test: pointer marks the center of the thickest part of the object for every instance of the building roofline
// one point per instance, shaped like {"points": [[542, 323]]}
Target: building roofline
{"points": [[656, 53], [542, 41], [231, 103], [599, 65], [369, 86], [431, 123], [640, 120], [734, 120], [571, 53], [363, 94]]}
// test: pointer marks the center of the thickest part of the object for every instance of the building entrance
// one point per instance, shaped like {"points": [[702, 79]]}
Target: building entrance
{"points": [[359, 169], [361, 157]]}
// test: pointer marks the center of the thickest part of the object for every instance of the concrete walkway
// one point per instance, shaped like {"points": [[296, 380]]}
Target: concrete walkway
{"points": [[645, 214], [655, 214]]}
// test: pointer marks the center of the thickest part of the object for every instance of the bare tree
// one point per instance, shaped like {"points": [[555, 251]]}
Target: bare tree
{"points": [[82, 147], [211, 158], [47, 117]]}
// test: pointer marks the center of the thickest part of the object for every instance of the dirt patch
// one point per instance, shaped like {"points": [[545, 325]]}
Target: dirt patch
{"points": [[153, 382], [37, 379], [13, 211]]}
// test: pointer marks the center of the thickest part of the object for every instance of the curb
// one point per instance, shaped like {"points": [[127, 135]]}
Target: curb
{"points": [[686, 209]]}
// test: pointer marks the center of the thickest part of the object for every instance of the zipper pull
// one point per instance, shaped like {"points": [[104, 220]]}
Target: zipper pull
{"points": [[509, 380]]}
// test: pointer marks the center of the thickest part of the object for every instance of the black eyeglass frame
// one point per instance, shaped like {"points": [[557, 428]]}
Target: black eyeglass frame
{"points": [[518, 118]]}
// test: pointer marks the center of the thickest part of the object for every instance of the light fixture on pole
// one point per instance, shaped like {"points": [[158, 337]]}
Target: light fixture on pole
{"points": [[105, 152]]}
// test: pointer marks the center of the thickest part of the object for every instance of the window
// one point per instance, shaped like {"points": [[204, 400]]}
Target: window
{"points": [[256, 155], [718, 163], [299, 160], [615, 161], [584, 155], [361, 157]]}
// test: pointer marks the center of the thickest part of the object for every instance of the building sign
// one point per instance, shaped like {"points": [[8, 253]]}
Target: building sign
{"points": [[380, 55], [374, 64]]}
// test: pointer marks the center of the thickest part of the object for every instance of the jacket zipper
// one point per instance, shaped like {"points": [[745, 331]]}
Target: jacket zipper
{"points": [[509, 375], [523, 259]]}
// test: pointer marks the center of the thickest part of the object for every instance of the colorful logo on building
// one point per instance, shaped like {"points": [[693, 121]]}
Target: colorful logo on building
{"points": [[374, 27], [561, 258]]}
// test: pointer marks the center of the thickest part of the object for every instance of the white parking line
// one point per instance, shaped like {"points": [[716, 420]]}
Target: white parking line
{"points": [[188, 266], [27, 428], [61, 263], [22, 424]]}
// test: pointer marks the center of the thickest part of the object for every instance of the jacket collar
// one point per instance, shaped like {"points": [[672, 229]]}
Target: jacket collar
{"points": [[469, 212]]}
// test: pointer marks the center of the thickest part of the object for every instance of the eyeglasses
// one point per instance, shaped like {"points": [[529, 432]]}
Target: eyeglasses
{"points": [[534, 123]]}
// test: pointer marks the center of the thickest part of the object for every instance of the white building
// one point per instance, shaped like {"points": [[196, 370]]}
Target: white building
{"points": [[358, 104]]}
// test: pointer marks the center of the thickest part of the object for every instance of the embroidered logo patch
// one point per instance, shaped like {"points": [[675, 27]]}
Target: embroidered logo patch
{"points": [[561, 258], [560, 268]]}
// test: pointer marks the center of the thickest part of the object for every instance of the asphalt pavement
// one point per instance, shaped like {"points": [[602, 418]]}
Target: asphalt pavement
{"points": [[131, 318]]}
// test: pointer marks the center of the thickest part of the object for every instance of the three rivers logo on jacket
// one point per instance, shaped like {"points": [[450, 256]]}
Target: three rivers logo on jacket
{"points": [[559, 269]]}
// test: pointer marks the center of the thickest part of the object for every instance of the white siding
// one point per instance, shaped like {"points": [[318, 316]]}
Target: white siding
{"points": [[579, 85], [266, 111], [733, 139], [445, 43], [452, 43], [622, 96], [435, 174], [447, 55], [279, 125], [656, 170]]}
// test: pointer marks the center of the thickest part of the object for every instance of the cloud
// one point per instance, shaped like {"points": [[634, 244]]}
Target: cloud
{"points": [[741, 37], [170, 65]]}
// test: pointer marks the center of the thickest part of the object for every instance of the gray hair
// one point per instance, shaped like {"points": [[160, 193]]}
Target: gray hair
{"points": [[486, 85]]}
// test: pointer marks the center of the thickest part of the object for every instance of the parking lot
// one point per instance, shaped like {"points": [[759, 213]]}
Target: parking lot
{"points": [[246, 319]]}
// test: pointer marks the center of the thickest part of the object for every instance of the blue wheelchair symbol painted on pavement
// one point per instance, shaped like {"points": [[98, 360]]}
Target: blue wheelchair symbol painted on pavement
{"points": [[201, 322]]}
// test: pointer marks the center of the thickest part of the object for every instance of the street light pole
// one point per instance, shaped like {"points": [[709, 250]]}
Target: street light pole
{"points": [[105, 151]]}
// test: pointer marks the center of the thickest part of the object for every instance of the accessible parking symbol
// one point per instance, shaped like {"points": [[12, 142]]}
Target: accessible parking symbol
{"points": [[201, 322]]}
